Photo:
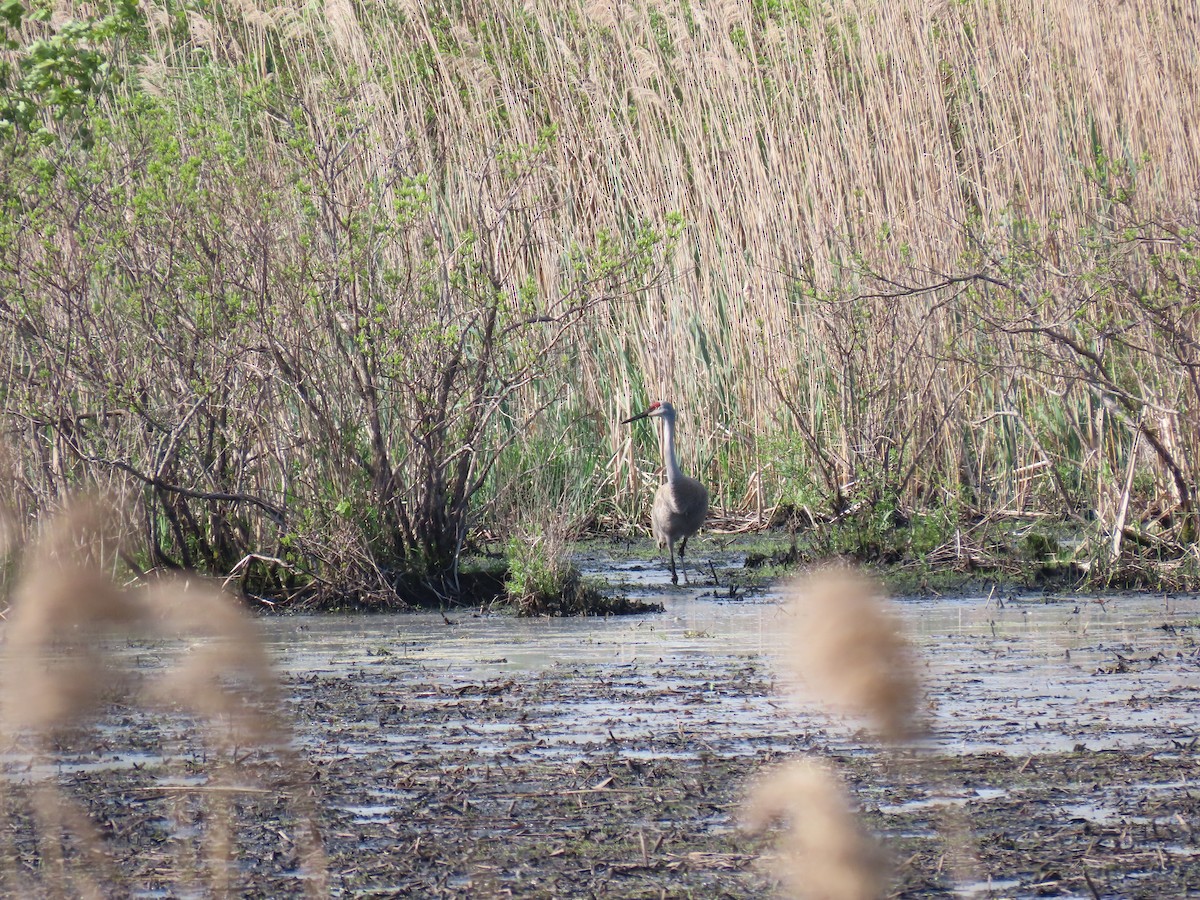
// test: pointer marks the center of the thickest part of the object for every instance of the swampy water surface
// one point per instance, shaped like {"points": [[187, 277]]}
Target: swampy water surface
{"points": [[475, 755]]}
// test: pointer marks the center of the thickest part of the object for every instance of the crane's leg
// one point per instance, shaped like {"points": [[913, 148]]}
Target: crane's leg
{"points": [[674, 574], [682, 565]]}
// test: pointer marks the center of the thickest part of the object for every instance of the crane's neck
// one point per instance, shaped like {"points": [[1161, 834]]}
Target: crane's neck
{"points": [[668, 451]]}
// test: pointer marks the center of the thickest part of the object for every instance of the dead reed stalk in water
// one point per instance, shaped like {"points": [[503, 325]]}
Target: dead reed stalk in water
{"points": [[851, 652], [824, 852]]}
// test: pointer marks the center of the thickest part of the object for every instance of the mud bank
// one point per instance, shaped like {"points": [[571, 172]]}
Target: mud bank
{"points": [[483, 756]]}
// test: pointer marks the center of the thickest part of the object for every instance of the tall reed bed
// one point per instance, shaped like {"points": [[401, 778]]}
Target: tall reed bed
{"points": [[334, 277]]}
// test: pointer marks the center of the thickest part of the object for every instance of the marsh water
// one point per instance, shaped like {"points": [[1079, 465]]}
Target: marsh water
{"points": [[1017, 675], [477, 754]]}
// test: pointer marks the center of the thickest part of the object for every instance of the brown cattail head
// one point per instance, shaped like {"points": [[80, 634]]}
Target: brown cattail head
{"points": [[850, 650], [824, 853]]}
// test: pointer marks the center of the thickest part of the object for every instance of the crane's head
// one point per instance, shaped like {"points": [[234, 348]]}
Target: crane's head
{"points": [[659, 409]]}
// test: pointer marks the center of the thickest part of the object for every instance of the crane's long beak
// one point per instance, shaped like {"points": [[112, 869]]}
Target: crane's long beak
{"points": [[635, 418]]}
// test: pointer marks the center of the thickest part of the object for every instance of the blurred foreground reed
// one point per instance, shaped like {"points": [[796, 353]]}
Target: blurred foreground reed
{"points": [[86, 661], [848, 652]]}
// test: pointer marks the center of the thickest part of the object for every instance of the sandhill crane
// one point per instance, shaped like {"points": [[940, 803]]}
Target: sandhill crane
{"points": [[682, 503]]}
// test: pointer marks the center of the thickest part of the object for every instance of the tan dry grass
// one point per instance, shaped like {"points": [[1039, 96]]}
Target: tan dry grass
{"points": [[62, 668], [55, 675], [851, 653], [824, 853], [226, 678]]}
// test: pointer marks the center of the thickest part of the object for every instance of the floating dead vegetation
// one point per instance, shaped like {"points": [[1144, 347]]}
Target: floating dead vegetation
{"points": [[72, 681]]}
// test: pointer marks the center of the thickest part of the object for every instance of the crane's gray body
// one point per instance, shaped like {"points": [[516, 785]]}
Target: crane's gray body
{"points": [[681, 503], [680, 508]]}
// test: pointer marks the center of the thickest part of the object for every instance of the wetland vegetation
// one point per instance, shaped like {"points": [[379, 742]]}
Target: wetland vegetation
{"points": [[332, 296], [342, 305]]}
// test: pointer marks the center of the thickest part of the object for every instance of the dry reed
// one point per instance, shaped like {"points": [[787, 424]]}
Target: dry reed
{"points": [[824, 852], [225, 679], [9, 524], [56, 673], [850, 651], [63, 668], [833, 162]]}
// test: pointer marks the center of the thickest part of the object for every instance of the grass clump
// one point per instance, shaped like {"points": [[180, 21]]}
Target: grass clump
{"points": [[542, 580], [538, 573]]}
